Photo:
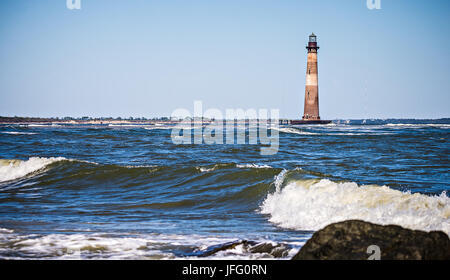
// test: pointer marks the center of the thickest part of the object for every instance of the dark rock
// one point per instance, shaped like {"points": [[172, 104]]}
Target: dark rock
{"points": [[221, 247], [277, 251], [349, 240]]}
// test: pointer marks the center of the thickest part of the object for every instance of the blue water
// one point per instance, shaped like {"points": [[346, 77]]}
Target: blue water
{"points": [[129, 192]]}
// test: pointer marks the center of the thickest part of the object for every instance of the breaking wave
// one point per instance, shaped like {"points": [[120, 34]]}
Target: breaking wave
{"points": [[313, 204], [11, 169]]}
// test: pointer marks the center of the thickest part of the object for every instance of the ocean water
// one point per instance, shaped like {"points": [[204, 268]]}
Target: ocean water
{"points": [[127, 192]]}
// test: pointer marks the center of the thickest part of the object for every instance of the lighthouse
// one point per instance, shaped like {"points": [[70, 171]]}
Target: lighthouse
{"points": [[311, 110], [311, 105]]}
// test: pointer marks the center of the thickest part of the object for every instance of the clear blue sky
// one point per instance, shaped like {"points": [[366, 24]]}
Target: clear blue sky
{"points": [[146, 58]]}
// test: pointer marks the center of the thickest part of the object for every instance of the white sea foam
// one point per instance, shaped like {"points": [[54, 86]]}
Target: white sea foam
{"points": [[106, 246], [165, 127], [209, 169], [44, 124], [294, 131], [38, 125], [409, 125], [253, 165], [313, 204], [244, 166], [205, 169], [18, 133], [11, 169], [131, 125], [75, 246], [5, 230], [361, 133], [342, 131], [138, 166]]}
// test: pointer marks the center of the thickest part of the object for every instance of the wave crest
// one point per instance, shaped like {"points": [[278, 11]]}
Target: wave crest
{"points": [[313, 204], [11, 169]]}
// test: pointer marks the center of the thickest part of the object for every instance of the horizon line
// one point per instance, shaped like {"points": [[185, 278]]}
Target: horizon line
{"points": [[131, 118]]}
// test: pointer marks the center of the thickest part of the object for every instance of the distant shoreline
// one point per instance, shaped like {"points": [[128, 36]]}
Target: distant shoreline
{"points": [[167, 121], [92, 121]]}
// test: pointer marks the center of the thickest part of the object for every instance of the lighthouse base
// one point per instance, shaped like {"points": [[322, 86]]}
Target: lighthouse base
{"points": [[295, 122]]}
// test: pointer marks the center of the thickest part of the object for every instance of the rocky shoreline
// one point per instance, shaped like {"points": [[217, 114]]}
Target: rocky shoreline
{"points": [[349, 240]]}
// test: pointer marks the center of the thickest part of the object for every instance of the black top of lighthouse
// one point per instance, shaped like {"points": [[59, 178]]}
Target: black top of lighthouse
{"points": [[312, 44]]}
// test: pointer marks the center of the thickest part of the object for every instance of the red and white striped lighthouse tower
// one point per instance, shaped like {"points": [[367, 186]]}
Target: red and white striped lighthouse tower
{"points": [[311, 110]]}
